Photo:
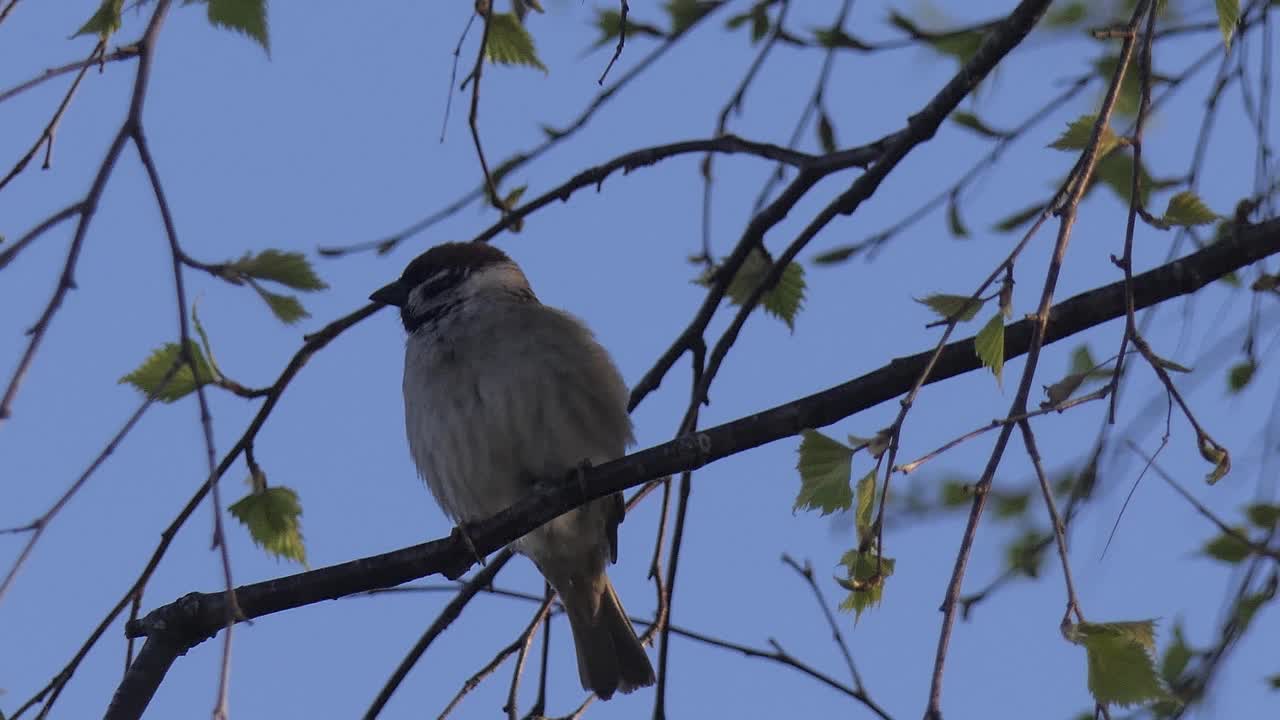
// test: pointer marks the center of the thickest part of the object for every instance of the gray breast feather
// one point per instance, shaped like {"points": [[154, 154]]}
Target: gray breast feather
{"points": [[550, 399]]}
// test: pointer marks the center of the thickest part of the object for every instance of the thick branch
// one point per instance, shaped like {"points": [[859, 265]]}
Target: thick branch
{"points": [[198, 616]]}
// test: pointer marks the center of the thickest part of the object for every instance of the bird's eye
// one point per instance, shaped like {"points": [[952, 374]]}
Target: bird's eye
{"points": [[440, 280]]}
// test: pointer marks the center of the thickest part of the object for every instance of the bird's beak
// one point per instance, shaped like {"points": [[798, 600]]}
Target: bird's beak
{"points": [[394, 294]]}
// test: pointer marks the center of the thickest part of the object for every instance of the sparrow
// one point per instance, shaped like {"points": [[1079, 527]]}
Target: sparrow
{"points": [[501, 391]]}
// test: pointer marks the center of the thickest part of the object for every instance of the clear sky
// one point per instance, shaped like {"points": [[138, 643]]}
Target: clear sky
{"points": [[334, 139]]}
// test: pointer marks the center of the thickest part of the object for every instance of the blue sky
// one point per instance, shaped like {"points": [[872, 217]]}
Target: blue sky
{"points": [[335, 139]]}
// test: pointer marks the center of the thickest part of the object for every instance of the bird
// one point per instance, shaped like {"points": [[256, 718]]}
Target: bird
{"points": [[501, 391]]}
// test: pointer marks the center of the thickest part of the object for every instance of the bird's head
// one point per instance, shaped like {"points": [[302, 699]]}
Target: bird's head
{"points": [[447, 277]]}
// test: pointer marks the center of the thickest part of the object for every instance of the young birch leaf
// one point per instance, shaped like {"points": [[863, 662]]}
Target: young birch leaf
{"points": [[104, 21], [1171, 365], [149, 376], [1216, 454], [835, 256], [1016, 220], [783, 300], [609, 23], [1025, 553], [960, 307], [285, 307], [1186, 209], [1263, 515], [1077, 135], [955, 223], [989, 345], [1240, 375], [865, 580], [287, 268], [243, 16], [510, 43], [826, 133], [1228, 548], [865, 502], [1061, 391], [1116, 172], [973, 122], [204, 342], [684, 13], [272, 517], [825, 466], [1121, 671], [1176, 657], [1228, 18]]}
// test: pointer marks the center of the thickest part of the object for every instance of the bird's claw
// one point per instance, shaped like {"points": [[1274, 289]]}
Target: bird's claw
{"points": [[466, 540]]}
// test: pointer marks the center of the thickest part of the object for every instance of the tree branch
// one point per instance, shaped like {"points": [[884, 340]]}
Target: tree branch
{"points": [[198, 616]]}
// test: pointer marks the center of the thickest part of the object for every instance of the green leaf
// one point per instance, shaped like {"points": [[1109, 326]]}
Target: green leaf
{"points": [[1274, 680], [826, 133], [759, 22], [783, 300], [244, 16], [1263, 515], [510, 43], [609, 23], [1121, 671], [1228, 18], [149, 376], [1216, 454], [204, 342], [1061, 391], [1130, 88], [974, 123], [989, 345], [955, 493], [1228, 548], [684, 13], [1011, 505], [285, 307], [1066, 16], [866, 495], [1176, 657], [1026, 553], [1186, 209], [955, 223], [1248, 607], [1077, 134], [866, 574], [1240, 375], [825, 467], [1171, 365], [960, 46], [1012, 222], [1082, 362], [837, 38], [1116, 172], [1265, 283], [272, 517], [960, 307], [835, 256], [291, 269], [104, 21]]}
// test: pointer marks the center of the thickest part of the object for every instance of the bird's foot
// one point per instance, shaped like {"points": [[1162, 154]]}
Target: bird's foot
{"points": [[466, 540], [580, 473]]}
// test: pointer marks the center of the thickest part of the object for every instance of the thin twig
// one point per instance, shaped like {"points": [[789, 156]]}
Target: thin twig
{"points": [[622, 40], [806, 572], [47, 136], [124, 52], [1067, 213]]}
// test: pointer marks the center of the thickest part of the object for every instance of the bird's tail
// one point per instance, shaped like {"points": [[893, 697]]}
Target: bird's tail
{"points": [[610, 656]]}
